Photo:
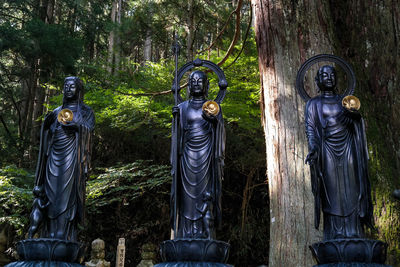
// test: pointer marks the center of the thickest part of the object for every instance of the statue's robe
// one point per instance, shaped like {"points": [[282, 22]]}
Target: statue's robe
{"points": [[340, 173], [200, 148], [62, 169]]}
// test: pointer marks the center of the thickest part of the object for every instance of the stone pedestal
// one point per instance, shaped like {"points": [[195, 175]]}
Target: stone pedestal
{"points": [[42, 264], [194, 253], [46, 252], [351, 252]]}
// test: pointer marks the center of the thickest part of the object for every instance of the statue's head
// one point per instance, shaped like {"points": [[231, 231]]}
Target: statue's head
{"points": [[98, 246], [38, 191], [198, 83], [326, 78], [73, 89], [207, 196]]}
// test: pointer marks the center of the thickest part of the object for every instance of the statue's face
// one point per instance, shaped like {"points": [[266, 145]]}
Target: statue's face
{"points": [[198, 83], [69, 90], [327, 78]]}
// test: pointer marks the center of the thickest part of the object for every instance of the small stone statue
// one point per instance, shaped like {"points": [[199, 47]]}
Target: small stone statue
{"points": [[40, 203], [207, 211], [201, 148], [98, 255], [148, 255], [339, 161]]}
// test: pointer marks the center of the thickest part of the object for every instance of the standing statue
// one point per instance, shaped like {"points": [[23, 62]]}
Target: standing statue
{"points": [[197, 159], [61, 173], [200, 154], [338, 157], [63, 165]]}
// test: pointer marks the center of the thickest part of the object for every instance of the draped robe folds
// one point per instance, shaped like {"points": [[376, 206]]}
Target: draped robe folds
{"points": [[200, 148], [339, 175], [62, 169]]}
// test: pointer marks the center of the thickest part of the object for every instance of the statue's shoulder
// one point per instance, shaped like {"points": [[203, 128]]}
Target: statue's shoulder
{"points": [[56, 110], [52, 113], [313, 101], [87, 109], [88, 116], [183, 105]]}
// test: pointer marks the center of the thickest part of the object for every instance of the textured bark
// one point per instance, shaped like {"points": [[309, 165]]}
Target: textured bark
{"points": [[111, 38], [147, 46], [284, 40], [117, 45], [366, 34], [190, 30], [42, 77]]}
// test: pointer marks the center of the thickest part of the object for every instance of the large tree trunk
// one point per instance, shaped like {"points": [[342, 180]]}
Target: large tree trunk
{"points": [[147, 46], [42, 76], [190, 30], [117, 45], [111, 38], [287, 33]]}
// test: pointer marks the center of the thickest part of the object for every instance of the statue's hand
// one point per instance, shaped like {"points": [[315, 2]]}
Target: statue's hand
{"points": [[70, 125], [312, 156], [354, 114], [209, 116], [175, 110]]}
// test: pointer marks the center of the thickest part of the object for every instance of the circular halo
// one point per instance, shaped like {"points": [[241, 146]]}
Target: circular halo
{"points": [[222, 84], [351, 78]]}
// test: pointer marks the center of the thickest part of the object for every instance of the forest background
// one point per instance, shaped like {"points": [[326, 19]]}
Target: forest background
{"points": [[122, 52], [121, 49]]}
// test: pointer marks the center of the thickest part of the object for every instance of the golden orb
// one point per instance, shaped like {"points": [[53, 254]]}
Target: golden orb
{"points": [[351, 102], [65, 115], [211, 108]]}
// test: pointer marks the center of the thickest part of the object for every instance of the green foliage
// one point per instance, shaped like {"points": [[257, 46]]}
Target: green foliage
{"points": [[132, 201], [127, 182], [132, 106], [15, 197]]}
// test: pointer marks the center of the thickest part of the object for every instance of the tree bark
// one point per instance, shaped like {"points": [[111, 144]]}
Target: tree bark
{"points": [[190, 30], [42, 77], [147, 46], [117, 45], [111, 38], [288, 33]]}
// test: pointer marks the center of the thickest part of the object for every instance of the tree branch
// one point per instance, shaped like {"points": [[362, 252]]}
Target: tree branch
{"points": [[220, 33], [6, 128], [244, 41], [145, 94], [237, 33]]}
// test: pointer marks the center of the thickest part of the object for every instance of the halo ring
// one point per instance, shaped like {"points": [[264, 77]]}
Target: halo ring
{"points": [[351, 78], [222, 83]]}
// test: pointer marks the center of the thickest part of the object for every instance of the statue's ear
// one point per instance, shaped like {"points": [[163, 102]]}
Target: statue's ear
{"points": [[189, 83], [317, 82]]}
